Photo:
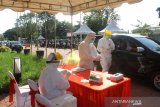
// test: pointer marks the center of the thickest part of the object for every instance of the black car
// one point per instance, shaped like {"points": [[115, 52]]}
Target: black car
{"points": [[137, 55], [16, 46]]}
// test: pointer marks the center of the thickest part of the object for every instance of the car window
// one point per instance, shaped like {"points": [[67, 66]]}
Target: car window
{"points": [[120, 43], [131, 45], [149, 43]]}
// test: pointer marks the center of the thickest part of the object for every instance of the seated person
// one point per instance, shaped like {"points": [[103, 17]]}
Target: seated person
{"points": [[131, 47], [88, 52], [52, 82]]}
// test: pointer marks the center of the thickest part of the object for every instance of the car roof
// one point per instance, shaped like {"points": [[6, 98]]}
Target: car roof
{"points": [[130, 35]]}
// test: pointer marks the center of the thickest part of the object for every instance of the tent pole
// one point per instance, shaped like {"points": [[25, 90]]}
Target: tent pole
{"points": [[80, 26], [17, 26], [46, 35], [37, 31], [71, 32], [31, 34], [55, 27]]}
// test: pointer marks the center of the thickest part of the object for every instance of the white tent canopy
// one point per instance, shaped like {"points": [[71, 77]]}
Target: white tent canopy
{"points": [[112, 26], [84, 29], [40, 37], [64, 6]]}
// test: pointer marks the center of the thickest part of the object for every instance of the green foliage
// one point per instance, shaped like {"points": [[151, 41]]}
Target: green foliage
{"points": [[158, 10], [1, 37], [38, 24], [11, 34], [63, 28], [5, 49], [45, 24], [143, 29], [98, 19], [31, 68]]}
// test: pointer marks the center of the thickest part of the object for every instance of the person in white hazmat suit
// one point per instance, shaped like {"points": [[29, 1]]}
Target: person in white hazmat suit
{"points": [[52, 82], [88, 52], [105, 47]]}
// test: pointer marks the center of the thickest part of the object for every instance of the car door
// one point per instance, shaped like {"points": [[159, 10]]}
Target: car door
{"points": [[125, 56], [119, 54], [132, 55]]}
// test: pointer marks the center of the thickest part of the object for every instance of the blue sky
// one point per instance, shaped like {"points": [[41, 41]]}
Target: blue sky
{"points": [[144, 11]]}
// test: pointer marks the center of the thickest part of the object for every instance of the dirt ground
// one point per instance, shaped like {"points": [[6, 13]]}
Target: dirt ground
{"points": [[139, 87]]}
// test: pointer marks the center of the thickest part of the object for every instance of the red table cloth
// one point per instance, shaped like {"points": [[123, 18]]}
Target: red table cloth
{"points": [[96, 95]]}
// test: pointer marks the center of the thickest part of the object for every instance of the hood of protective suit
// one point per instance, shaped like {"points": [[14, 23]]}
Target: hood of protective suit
{"points": [[90, 38], [107, 34], [51, 58]]}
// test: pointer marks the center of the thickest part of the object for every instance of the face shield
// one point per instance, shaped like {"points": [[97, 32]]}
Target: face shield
{"points": [[90, 37], [52, 58], [93, 39], [107, 34]]}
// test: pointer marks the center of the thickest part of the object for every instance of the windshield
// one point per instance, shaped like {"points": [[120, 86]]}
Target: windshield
{"points": [[153, 45]]}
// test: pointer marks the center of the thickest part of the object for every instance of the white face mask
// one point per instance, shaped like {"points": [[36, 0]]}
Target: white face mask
{"points": [[92, 41], [107, 37]]}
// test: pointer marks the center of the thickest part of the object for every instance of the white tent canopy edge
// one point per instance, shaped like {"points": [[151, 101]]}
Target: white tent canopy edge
{"points": [[65, 6]]}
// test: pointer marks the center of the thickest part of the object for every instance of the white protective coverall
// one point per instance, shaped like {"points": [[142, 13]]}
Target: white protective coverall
{"points": [[52, 82], [105, 47], [88, 52]]}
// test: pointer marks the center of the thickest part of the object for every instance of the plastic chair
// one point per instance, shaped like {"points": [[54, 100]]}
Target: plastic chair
{"points": [[33, 90], [22, 98], [66, 100]]}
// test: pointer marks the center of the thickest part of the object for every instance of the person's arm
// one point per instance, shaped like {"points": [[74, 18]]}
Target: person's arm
{"points": [[112, 45], [62, 83], [95, 53], [85, 52], [100, 46]]}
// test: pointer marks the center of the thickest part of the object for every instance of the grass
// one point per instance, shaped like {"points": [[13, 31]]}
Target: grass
{"points": [[31, 68]]}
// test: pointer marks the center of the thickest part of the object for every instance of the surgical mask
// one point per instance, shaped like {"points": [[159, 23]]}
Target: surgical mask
{"points": [[107, 37], [92, 41]]}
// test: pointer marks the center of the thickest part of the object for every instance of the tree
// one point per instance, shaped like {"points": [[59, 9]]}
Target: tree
{"points": [[48, 24], [63, 28], [11, 34], [143, 29], [98, 19], [32, 24], [158, 10], [1, 37]]}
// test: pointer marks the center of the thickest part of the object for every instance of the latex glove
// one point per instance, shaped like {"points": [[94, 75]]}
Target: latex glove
{"points": [[68, 74], [64, 72], [98, 58]]}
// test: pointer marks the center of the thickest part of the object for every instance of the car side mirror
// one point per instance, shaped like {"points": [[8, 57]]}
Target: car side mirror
{"points": [[140, 49]]}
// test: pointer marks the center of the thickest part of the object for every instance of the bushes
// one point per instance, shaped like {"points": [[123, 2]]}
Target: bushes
{"points": [[5, 49], [31, 68]]}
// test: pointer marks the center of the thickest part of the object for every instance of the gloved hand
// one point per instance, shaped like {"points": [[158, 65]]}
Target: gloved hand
{"points": [[98, 58], [64, 72], [68, 74]]}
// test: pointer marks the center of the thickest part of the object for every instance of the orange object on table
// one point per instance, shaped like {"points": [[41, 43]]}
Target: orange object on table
{"points": [[96, 95]]}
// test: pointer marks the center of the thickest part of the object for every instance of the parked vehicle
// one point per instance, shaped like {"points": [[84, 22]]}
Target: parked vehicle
{"points": [[15, 46], [137, 55], [3, 43]]}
